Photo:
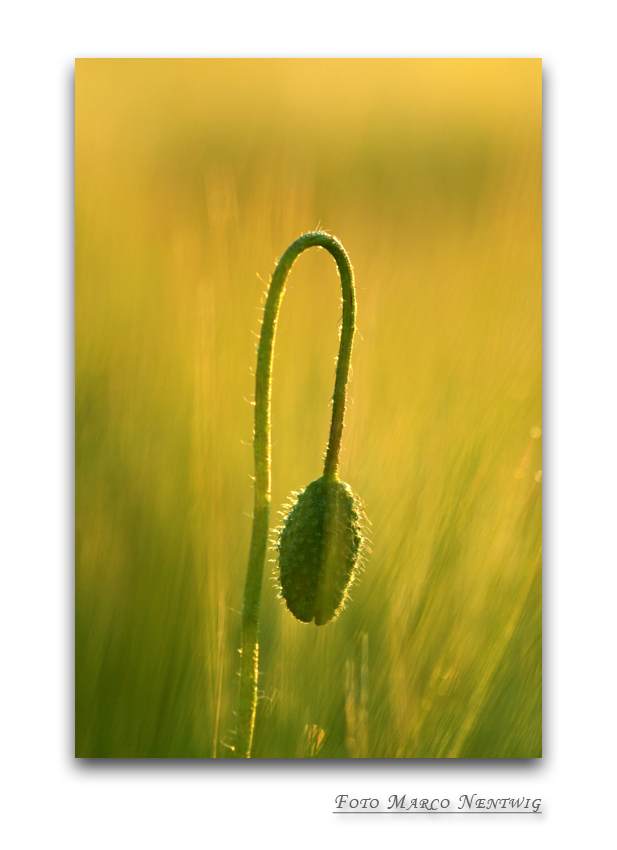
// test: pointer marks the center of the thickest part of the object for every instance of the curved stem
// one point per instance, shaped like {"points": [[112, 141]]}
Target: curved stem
{"points": [[262, 450]]}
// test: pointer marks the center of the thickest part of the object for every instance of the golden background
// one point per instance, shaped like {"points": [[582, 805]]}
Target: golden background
{"points": [[192, 177]]}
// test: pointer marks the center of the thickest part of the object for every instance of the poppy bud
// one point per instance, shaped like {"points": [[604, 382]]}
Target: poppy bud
{"points": [[319, 548]]}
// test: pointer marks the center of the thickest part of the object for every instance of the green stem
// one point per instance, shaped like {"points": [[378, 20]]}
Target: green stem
{"points": [[249, 663]]}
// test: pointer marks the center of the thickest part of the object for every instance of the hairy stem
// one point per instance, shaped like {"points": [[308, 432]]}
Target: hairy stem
{"points": [[262, 445]]}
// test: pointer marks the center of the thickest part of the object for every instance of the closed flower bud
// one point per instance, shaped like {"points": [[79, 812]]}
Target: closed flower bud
{"points": [[319, 549]]}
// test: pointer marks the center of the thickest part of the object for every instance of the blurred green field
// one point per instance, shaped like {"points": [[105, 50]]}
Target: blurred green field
{"points": [[192, 177]]}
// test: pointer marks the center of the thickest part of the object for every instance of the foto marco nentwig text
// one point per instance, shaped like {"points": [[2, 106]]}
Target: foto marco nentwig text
{"points": [[466, 804]]}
